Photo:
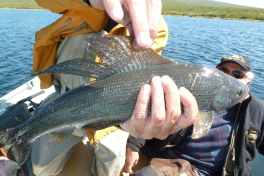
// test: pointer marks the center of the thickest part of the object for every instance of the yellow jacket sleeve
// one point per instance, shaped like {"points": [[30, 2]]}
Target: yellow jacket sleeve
{"points": [[162, 37], [78, 18]]}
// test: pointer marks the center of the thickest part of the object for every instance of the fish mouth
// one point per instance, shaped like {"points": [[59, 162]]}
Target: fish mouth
{"points": [[242, 92]]}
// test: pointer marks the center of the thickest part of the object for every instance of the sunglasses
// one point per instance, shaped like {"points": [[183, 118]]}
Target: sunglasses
{"points": [[235, 74]]}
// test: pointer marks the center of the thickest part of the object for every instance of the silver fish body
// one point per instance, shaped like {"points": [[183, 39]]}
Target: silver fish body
{"points": [[111, 99]]}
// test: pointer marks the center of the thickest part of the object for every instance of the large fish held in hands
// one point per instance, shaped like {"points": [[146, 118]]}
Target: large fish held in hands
{"points": [[110, 99]]}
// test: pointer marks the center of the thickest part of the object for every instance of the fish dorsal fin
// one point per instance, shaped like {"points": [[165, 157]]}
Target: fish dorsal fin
{"points": [[118, 53]]}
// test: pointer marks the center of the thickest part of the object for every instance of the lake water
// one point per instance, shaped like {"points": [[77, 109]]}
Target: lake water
{"points": [[191, 40], [17, 32]]}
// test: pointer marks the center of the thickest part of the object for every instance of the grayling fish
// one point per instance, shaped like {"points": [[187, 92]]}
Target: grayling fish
{"points": [[111, 99]]}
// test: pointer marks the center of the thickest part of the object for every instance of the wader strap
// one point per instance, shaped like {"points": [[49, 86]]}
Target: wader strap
{"points": [[229, 165], [61, 89], [171, 140]]}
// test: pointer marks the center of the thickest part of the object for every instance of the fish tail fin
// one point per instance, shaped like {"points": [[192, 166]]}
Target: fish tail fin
{"points": [[7, 137], [19, 149]]}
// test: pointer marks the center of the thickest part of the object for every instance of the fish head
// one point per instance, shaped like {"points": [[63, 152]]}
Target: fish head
{"points": [[229, 94]]}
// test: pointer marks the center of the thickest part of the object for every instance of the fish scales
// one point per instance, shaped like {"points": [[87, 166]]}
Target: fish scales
{"points": [[117, 95], [111, 99]]}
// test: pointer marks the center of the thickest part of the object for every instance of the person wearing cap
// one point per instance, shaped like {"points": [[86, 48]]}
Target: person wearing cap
{"points": [[237, 66], [231, 142]]}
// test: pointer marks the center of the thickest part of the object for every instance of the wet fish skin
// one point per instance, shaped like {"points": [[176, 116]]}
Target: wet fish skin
{"points": [[111, 99]]}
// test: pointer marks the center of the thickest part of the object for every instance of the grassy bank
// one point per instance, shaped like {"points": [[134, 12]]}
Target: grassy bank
{"points": [[19, 4], [210, 9], [192, 8]]}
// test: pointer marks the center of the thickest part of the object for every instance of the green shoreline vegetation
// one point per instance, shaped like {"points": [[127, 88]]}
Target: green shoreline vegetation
{"points": [[211, 10], [19, 4], [191, 8]]}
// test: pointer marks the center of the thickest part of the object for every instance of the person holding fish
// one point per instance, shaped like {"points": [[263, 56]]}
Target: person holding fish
{"points": [[231, 142], [64, 40]]}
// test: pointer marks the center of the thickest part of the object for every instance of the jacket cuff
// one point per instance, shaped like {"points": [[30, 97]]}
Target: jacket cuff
{"points": [[135, 143]]}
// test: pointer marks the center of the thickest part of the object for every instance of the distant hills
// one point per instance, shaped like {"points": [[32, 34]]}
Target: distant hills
{"points": [[191, 8], [208, 3]]}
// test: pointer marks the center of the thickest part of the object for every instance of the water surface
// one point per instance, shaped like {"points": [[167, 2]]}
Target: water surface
{"points": [[17, 32]]}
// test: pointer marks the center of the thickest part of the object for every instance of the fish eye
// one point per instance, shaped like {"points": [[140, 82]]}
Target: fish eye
{"points": [[239, 91]]}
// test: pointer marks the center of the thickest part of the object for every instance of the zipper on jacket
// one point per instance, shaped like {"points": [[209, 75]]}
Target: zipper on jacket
{"points": [[67, 22], [80, 29], [232, 148], [76, 28]]}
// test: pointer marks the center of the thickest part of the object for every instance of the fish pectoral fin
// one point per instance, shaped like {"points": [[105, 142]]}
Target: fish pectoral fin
{"points": [[61, 135], [100, 126], [202, 126]]}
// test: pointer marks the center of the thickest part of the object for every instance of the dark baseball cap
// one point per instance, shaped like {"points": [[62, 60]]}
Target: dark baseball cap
{"points": [[240, 60]]}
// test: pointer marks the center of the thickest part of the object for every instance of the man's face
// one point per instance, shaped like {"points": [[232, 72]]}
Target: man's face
{"points": [[236, 71]]}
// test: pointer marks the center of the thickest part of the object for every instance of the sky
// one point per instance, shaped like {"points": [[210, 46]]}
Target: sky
{"points": [[251, 3]]}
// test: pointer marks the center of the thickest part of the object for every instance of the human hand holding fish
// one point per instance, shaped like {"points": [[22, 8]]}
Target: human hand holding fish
{"points": [[166, 116], [140, 17]]}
